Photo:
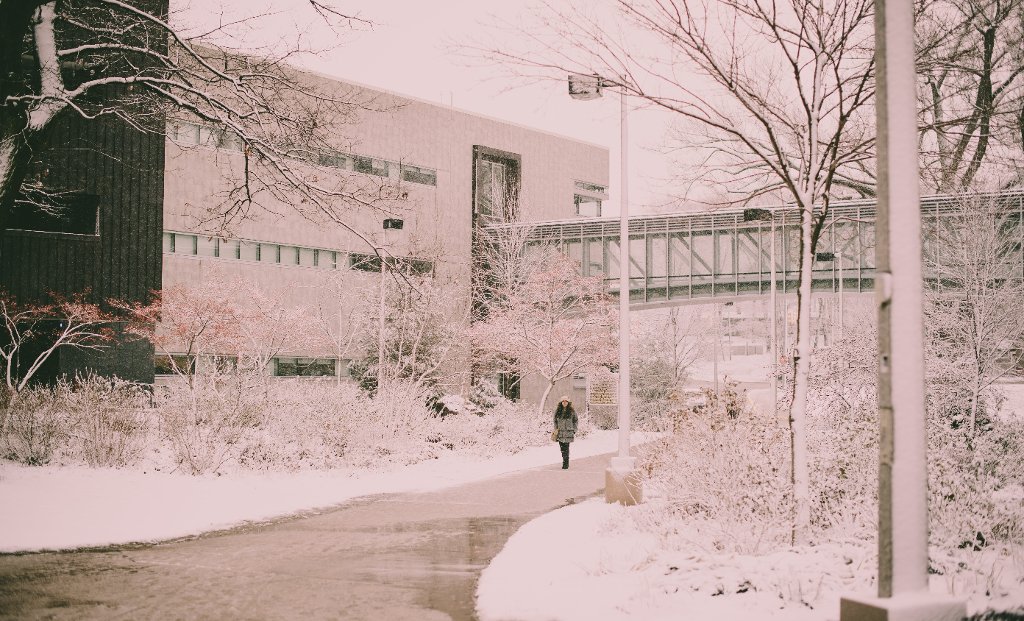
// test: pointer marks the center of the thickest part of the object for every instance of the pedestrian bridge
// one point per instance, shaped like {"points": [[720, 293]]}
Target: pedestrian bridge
{"points": [[721, 255]]}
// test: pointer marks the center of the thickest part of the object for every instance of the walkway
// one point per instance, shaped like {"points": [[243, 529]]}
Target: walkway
{"points": [[388, 558], [726, 254]]}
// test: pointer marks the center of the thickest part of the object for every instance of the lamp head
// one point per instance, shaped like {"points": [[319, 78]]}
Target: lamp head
{"points": [[584, 87]]}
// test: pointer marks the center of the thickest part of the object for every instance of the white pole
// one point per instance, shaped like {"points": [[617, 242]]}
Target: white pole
{"points": [[380, 328], [903, 509], [842, 315], [774, 337], [624, 323]]}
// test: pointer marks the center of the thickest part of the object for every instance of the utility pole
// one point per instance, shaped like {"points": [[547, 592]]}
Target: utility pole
{"points": [[903, 476]]}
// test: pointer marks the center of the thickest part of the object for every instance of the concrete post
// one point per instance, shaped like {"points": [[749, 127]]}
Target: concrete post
{"points": [[903, 510]]}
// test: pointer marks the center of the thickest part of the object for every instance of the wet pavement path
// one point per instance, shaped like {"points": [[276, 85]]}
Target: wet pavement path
{"points": [[386, 558]]}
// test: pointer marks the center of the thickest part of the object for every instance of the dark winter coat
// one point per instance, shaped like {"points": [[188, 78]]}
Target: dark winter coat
{"points": [[566, 422]]}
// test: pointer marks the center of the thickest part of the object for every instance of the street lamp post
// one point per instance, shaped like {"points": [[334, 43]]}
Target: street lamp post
{"points": [[621, 484], [389, 224], [751, 215], [837, 259]]}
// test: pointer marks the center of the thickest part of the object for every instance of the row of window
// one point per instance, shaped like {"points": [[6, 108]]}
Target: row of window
{"points": [[280, 254], [190, 134], [280, 367]]}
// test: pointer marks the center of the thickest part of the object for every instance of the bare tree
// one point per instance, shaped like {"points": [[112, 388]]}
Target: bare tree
{"points": [[971, 60], [773, 96], [124, 59], [555, 324], [34, 332], [974, 322]]}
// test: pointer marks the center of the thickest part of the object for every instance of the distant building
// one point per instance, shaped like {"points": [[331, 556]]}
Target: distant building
{"points": [[454, 169]]}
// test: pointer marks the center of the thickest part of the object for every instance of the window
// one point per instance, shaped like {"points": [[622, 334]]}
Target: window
{"points": [[305, 367], [289, 255], [490, 188], [168, 243], [270, 253], [325, 259], [414, 174], [249, 251], [173, 364], [588, 199], [495, 183], [66, 212], [185, 244], [587, 206], [208, 247], [333, 159], [184, 133], [364, 262], [370, 166]]}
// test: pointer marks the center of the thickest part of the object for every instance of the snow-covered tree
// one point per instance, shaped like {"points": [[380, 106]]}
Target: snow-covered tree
{"points": [[772, 100], [34, 332], [555, 324], [974, 321], [971, 68], [128, 60]]}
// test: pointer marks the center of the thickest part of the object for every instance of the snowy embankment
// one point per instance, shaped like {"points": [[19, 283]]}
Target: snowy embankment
{"points": [[591, 561], [57, 508]]}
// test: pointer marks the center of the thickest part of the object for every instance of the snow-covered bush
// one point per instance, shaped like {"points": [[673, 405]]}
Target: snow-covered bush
{"points": [[204, 418], [34, 426], [107, 419], [719, 482]]}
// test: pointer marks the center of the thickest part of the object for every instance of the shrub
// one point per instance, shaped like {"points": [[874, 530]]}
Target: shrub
{"points": [[721, 476], [34, 426], [204, 419], [107, 419]]}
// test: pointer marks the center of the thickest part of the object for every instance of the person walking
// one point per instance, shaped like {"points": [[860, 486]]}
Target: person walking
{"points": [[565, 426]]}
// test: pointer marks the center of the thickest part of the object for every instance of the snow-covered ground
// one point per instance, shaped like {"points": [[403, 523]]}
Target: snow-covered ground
{"points": [[47, 508], [598, 565]]}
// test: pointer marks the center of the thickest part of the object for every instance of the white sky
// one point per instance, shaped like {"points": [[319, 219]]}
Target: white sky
{"points": [[409, 51]]}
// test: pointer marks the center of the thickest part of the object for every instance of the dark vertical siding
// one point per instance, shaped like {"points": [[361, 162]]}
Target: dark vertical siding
{"points": [[125, 168]]}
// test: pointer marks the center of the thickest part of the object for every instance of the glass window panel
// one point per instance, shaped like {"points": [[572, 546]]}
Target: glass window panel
{"points": [[703, 254], [370, 166], [168, 242], [726, 252], [249, 251], [657, 264], [185, 134], [306, 257], [594, 257], [748, 248], [612, 252], [333, 159], [270, 253], [679, 257], [207, 247], [185, 244], [637, 257], [414, 174], [587, 206], [574, 250]]}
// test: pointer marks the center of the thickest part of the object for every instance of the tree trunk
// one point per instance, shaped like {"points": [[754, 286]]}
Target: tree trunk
{"points": [[544, 399], [799, 476]]}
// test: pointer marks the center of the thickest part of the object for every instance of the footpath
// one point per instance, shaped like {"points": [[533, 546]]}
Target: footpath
{"points": [[396, 557]]}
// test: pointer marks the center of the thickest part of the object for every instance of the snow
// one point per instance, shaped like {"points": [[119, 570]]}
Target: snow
{"points": [[598, 564], [65, 507]]}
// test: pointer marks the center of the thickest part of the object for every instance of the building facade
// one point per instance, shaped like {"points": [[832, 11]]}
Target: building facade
{"points": [[451, 171]]}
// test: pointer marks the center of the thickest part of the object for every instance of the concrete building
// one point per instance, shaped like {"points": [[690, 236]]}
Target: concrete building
{"points": [[450, 170]]}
